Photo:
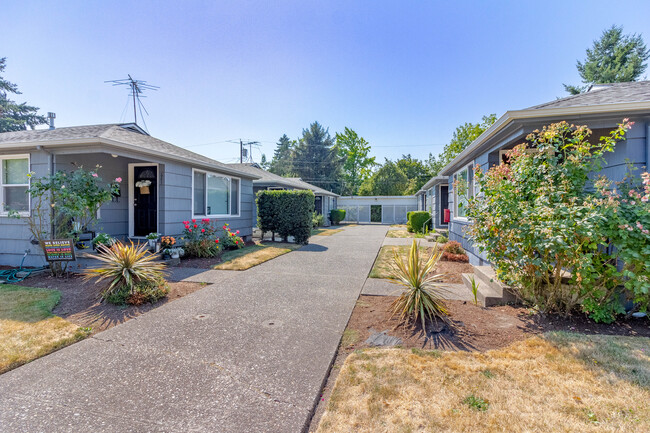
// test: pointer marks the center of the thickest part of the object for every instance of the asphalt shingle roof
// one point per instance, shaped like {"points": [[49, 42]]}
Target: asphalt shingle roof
{"points": [[268, 178], [115, 132], [636, 91]]}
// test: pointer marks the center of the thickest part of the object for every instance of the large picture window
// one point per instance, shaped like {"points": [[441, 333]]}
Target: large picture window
{"points": [[215, 194], [463, 191], [14, 183]]}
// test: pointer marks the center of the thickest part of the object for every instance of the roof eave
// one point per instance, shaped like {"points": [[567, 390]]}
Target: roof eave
{"points": [[540, 113]]}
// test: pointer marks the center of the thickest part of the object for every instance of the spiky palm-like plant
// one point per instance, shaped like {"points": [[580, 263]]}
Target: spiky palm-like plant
{"points": [[125, 266], [423, 296]]}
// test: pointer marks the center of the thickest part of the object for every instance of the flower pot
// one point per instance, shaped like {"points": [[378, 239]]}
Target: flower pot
{"points": [[144, 190], [175, 255], [166, 257], [152, 243]]}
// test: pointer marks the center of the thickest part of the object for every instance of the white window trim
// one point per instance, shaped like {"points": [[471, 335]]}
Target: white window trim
{"points": [[467, 167], [230, 179], [4, 213]]}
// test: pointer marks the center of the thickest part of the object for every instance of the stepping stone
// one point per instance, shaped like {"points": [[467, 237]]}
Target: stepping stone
{"points": [[382, 339]]}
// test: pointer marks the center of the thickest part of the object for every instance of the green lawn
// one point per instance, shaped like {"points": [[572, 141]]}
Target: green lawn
{"points": [[28, 329], [253, 255]]}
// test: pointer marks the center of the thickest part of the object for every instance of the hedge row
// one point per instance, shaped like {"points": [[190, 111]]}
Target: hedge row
{"points": [[416, 221], [287, 213]]}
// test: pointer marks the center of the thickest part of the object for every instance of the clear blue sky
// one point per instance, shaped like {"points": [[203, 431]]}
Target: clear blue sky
{"points": [[403, 74]]}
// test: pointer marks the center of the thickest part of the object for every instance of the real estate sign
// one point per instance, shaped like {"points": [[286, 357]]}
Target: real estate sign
{"points": [[59, 250]]}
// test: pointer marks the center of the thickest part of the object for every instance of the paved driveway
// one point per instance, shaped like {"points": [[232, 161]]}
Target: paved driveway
{"points": [[248, 353]]}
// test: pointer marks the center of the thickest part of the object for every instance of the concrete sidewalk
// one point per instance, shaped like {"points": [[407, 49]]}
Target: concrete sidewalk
{"points": [[248, 353]]}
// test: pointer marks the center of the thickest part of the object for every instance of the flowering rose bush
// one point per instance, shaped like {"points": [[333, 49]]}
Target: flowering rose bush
{"points": [[230, 240], [548, 235], [200, 238]]}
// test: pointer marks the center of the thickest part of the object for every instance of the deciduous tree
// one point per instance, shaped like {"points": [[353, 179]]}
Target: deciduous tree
{"points": [[357, 165]]}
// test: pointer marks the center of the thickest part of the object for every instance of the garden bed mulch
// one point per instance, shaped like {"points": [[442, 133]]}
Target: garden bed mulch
{"points": [[80, 304], [474, 328]]}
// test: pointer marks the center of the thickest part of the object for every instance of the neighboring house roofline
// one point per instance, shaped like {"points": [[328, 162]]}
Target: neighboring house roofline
{"points": [[538, 113], [435, 180], [191, 158], [377, 196]]}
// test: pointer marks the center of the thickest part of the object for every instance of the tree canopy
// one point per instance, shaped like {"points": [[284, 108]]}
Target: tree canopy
{"points": [[389, 179], [315, 158], [15, 116], [357, 165], [463, 137], [614, 58], [281, 162]]}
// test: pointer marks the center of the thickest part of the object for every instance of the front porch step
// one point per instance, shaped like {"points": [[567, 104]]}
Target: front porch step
{"points": [[485, 295], [486, 275]]}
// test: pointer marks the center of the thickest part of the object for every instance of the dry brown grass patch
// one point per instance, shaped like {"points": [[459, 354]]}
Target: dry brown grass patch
{"points": [[28, 329], [325, 232], [383, 266], [561, 383], [402, 233], [249, 256]]}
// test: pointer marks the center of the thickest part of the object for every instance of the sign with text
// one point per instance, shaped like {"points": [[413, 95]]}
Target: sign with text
{"points": [[59, 250]]}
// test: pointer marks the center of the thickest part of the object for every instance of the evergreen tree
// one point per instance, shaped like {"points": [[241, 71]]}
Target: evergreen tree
{"points": [[357, 165], [282, 157], [315, 158], [416, 172], [614, 58], [14, 116]]}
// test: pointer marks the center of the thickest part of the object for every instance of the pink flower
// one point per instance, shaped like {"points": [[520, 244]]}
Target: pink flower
{"points": [[237, 232], [118, 179], [236, 242], [95, 175], [190, 230], [202, 230]]}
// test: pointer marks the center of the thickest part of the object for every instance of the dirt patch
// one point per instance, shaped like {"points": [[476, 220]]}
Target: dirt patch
{"points": [[80, 304], [383, 266], [453, 271]]}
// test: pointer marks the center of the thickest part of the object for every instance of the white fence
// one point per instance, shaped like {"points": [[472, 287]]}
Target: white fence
{"points": [[377, 209]]}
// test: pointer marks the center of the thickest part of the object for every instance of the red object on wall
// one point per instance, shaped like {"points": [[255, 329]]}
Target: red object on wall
{"points": [[447, 215]]}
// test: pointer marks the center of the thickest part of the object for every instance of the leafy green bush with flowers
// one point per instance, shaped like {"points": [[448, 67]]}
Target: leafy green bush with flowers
{"points": [[201, 238], [552, 237], [230, 240]]}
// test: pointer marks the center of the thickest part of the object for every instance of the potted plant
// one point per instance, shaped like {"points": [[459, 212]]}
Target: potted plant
{"points": [[167, 253], [176, 253], [152, 238], [167, 242], [143, 185], [103, 241]]}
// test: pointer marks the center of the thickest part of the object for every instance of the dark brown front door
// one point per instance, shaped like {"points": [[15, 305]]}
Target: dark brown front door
{"points": [[145, 200]]}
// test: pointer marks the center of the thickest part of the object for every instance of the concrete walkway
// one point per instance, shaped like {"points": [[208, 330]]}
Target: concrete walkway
{"points": [[246, 354]]}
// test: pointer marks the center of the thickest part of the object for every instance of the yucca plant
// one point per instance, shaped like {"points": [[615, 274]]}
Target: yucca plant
{"points": [[126, 266], [423, 296]]}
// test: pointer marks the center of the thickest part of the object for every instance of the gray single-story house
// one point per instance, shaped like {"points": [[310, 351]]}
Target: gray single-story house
{"points": [[433, 198], [325, 200], [601, 109], [183, 184]]}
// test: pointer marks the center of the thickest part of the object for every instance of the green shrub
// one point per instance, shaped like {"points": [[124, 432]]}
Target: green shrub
{"points": [[409, 228], [337, 215], [287, 213], [423, 297], [442, 240], [538, 216], [417, 220], [142, 293], [317, 220], [126, 268]]}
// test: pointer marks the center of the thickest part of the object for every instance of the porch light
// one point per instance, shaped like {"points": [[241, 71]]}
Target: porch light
{"points": [[113, 155]]}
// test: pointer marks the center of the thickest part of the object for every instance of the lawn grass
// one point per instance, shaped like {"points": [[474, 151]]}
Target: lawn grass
{"points": [[28, 329], [253, 255], [403, 233], [556, 383], [325, 232], [383, 266]]}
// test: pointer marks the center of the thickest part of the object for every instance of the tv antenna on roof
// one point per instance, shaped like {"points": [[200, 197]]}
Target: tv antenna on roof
{"points": [[137, 87]]}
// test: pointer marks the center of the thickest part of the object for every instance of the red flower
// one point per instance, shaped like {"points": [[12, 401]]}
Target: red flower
{"points": [[190, 230], [186, 222], [193, 221], [216, 241], [224, 226], [195, 226], [187, 226], [202, 230], [236, 242]]}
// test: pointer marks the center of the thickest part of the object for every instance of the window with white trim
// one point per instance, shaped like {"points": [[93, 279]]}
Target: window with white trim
{"points": [[463, 190], [214, 195], [14, 183]]}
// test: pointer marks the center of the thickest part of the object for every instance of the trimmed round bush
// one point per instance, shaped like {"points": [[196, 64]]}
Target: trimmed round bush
{"points": [[417, 220], [337, 215]]}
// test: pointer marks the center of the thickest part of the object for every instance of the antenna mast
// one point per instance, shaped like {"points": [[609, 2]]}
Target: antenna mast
{"points": [[137, 87]]}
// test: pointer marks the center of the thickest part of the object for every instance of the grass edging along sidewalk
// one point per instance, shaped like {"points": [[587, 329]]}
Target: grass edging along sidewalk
{"points": [[325, 232], [253, 255], [28, 329], [403, 233], [555, 382], [383, 266]]}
